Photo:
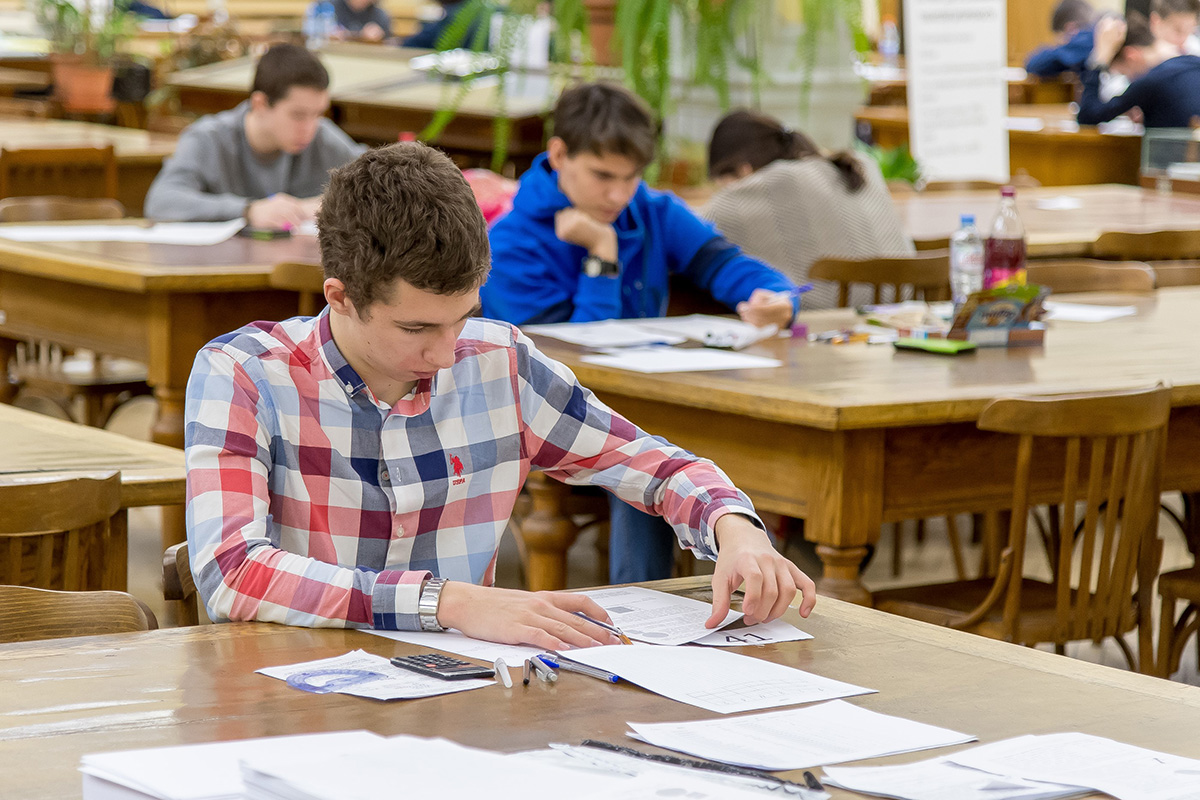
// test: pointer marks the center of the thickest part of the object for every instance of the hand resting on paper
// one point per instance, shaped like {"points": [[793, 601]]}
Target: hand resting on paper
{"points": [[745, 555], [511, 616], [767, 308]]}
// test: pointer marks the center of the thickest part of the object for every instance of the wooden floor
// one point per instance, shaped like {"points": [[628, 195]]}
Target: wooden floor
{"points": [[922, 563]]}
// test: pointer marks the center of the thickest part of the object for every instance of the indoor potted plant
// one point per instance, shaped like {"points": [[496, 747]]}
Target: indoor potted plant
{"points": [[85, 39]]}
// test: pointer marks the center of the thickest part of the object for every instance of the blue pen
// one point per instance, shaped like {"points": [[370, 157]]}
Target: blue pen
{"points": [[566, 665]]}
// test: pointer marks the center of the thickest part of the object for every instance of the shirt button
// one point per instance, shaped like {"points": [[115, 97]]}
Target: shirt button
{"points": [[637, 285], [384, 477]]}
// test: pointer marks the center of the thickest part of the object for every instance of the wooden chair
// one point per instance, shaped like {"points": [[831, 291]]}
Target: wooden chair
{"points": [[47, 208], [306, 279], [1150, 245], [1091, 275], [179, 585], [927, 274], [1113, 447], [1173, 633], [26, 108], [28, 614], [69, 171], [63, 533]]}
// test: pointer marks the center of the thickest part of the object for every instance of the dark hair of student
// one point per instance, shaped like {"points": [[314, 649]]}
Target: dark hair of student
{"points": [[1165, 8], [603, 118], [1137, 31], [746, 137], [401, 212], [1072, 12], [285, 66]]}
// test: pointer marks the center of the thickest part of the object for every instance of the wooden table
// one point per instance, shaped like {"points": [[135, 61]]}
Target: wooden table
{"points": [[22, 80], [851, 436], [155, 303], [1061, 153], [192, 685], [217, 87], [139, 153], [931, 217], [151, 475]]}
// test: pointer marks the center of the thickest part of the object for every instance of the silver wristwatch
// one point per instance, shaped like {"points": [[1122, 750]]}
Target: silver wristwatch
{"points": [[595, 267], [427, 606]]}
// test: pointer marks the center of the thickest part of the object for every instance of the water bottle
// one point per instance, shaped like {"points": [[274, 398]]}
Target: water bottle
{"points": [[889, 42], [312, 26], [1004, 252], [329, 23], [966, 260]]}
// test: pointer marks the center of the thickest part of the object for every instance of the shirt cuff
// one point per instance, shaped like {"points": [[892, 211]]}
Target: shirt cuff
{"points": [[394, 600], [708, 525]]}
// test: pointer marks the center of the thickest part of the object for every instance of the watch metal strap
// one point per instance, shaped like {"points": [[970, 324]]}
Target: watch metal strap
{"points": [[427, 605]]}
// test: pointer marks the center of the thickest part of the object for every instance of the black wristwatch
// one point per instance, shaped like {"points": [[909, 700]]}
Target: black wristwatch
{"points": [[595, 267]]}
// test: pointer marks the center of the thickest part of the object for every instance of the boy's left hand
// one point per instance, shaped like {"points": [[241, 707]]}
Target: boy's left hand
{"points": [[745, 555], [767, 308]]}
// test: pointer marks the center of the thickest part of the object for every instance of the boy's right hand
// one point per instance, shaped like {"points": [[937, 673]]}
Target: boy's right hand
{"points": [[575, 227], [510, 616], [1109, 36], [278, 212]]}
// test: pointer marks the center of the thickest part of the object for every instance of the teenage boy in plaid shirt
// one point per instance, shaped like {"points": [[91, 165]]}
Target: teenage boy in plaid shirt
{"points": [[358, 468]]}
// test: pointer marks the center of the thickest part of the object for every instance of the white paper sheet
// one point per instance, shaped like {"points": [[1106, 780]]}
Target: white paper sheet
{"points": [[606, 333], [712, 331], [763, 633], [828, 733], [673, 359], [1122, 770], [453, 641], [1062, 202], [362, 674], [714, 678], [412, 767], [657, 617], [207, 771], [941, 779], [1083, 312], [187, 233]]}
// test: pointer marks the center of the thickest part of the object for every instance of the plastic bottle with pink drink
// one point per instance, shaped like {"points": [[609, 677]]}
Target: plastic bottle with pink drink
{"points": [[1004, 250]]}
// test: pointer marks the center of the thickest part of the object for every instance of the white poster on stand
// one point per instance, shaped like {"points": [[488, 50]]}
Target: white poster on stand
{"points": [[955, 54]]}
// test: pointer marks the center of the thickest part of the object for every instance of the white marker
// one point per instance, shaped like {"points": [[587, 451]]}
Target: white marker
{"points": [[502, 670]]}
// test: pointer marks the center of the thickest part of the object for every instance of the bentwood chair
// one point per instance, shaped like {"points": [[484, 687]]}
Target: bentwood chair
{"points": [[56, 208], [1148, 245], [179, 585], [1174, 632], [63, 533], [1111, 449], [1091, 275], [926, 276], [307, 280], [29, 614]]}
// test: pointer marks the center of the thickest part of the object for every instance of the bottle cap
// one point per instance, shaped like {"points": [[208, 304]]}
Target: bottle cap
{"points": [[966, 219], [1008, 191]]}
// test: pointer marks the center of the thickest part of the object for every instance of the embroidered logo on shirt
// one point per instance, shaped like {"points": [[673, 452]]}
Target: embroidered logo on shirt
{"points": [[457, 466]]}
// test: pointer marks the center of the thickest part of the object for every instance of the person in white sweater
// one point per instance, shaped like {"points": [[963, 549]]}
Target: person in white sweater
{"points": [[785, 202]]}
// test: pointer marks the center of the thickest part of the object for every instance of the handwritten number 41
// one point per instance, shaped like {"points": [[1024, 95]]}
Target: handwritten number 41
{"points": [[746, 638]]}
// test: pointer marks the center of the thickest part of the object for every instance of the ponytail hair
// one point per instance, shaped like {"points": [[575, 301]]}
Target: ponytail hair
{"points": [[748, 138]]}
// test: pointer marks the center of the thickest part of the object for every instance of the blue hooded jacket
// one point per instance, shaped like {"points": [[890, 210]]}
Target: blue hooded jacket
{"points": [[536, 277], [1057, 59]]}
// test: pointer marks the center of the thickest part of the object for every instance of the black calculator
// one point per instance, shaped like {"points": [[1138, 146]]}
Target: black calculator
{"points": [[448, 668]]}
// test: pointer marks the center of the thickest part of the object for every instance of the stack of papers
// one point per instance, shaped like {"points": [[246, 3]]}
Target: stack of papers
{"points": [[670, 359], [712, 678], [828, 733], [942, 779], [365, 675], [1085, 312], [703, 328], [200, 771], [657, 617], [406, 766]]}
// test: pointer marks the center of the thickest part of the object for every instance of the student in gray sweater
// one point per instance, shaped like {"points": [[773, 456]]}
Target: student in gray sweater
{"points": [[267, 160]]}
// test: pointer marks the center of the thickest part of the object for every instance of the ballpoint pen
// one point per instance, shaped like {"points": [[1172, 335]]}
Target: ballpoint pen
{"points": [[543, 670], [566, 665], [608, 627], [528, 667], [710, 766]]}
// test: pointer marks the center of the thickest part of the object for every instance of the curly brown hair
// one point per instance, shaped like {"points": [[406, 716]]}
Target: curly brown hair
{"points": [[402, 211]]}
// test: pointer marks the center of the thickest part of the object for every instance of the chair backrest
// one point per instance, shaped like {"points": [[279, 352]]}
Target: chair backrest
{"points": [[69, 171], [29, 614], [927, 274], [1176, 273], [26, 108], [1112, 447], [62, 533], [304, 278], [54, 208], [179, 585], [1091, 275], [1131, 246]]}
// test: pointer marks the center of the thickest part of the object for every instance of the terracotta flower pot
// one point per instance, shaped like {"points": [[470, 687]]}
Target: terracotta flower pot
{"points": [[83, 87], [602, 21]]}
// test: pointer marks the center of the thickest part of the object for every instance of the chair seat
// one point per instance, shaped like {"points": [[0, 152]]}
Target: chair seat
{"points": [[946, 603]]}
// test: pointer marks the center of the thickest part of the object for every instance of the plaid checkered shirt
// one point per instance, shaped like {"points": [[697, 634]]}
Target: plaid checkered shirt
{"points": [[312, 503]]}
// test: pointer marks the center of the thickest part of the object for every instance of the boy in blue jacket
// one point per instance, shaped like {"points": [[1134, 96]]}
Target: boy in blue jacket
{"points": [[588, 240], [1071, 23]]}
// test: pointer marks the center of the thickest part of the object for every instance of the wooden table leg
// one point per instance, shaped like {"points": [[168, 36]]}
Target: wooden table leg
{"points": [[546, 534], [8, 350]]}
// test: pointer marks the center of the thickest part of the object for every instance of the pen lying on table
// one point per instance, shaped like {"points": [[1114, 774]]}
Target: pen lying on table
{"points": [[607, 626], [566, 665], [710, 766]]}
